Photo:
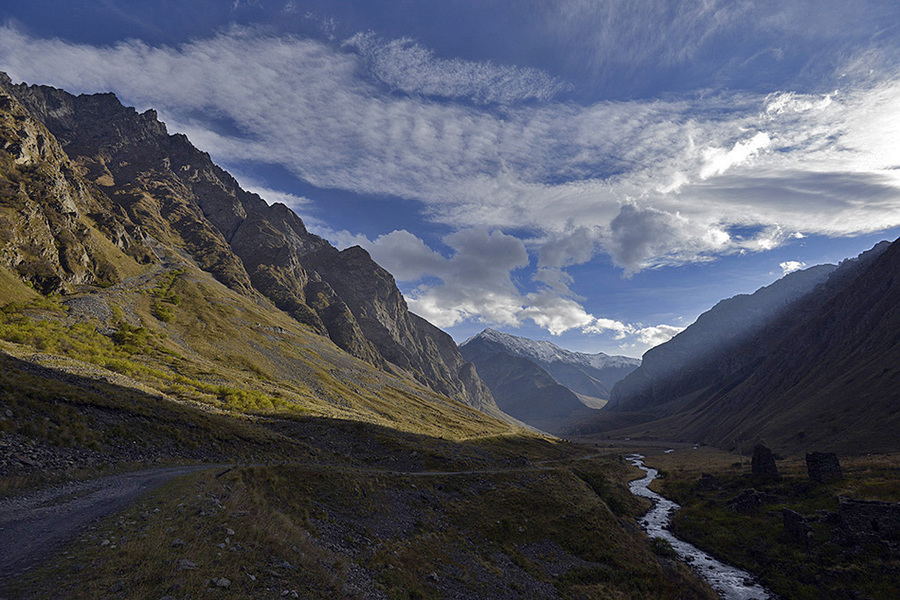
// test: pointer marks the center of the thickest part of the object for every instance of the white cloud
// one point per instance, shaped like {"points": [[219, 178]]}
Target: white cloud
{"points": [[406, 256], [649, 183], [656, 335], [641, 237], [559, 169], [718, 160], [790, 266], [407, 66], [476, 283]]}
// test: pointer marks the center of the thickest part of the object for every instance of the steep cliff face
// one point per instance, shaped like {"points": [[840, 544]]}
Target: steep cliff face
{"points": [[830, 381], [56, 229], [178, 196], [402, 338]]}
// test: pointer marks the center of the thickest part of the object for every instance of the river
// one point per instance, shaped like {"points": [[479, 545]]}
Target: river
{"points": [[730, 583]]}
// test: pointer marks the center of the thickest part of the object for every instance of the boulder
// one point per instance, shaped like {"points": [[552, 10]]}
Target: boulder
{"points": [[823, 467], [749, 500], [763, 463], [796, 527]]}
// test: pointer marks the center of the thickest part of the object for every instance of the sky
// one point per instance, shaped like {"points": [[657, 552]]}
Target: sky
{"points": [[596, 173]]}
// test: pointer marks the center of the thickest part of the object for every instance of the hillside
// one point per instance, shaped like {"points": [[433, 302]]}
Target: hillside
{"points": [[821, 375], [125, 173], [153, 312]]}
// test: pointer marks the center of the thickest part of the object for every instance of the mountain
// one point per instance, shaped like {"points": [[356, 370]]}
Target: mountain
{"points": [[704, 353], [122, 180], [540, 383], [820, 373]]}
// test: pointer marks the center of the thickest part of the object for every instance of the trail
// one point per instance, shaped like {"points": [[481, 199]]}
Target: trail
{"points": [[34, 526]]}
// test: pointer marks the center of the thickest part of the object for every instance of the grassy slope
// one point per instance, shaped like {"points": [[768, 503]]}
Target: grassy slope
{"points": [[756, 541], [345, 532], [185, 370]]}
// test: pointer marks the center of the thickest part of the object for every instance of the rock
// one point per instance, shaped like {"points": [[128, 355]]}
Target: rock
{"points": [[9, 413], [763, 463], [707, 482], [869, 521], [220, 582], [748, 500], [186, 565], [178, 543], [823, 467], [795, 526]]}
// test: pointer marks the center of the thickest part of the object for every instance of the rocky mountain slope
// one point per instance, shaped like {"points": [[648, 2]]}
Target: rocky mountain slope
{"points": [[820, 374], [704, 353], [540, 383], [117, 178]]}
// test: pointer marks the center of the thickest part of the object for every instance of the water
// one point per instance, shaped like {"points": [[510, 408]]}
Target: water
{"points": [[729, 582]]}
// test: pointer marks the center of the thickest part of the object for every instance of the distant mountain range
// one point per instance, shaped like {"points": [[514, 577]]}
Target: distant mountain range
{"points": [[809, 362], [540, 383]]}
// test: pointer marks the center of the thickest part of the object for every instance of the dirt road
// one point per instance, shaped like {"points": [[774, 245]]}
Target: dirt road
{"points": [[34, 526]]}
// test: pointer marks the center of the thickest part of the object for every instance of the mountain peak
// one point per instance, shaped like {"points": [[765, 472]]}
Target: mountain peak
{"points": [[544, 351]]}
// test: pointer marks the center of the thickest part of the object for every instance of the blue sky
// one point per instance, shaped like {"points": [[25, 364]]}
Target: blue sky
{"points": [[593, 172]]}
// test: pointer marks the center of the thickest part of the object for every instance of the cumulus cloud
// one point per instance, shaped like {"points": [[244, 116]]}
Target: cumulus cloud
{"points": [[718, 160], [659, 334], [406, 66], [476, 283], [641, 237], [790, 266]]}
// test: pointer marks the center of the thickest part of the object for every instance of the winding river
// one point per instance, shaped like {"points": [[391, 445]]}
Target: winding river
{"points": [[729, 582]]}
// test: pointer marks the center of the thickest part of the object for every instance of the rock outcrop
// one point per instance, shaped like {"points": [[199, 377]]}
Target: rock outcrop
{"points": [[57, 228], [762, 464]]}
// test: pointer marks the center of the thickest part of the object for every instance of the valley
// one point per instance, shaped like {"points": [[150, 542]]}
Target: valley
{"points": [[157, 318]]}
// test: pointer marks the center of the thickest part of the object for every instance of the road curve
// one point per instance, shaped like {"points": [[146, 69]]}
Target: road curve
{"points": [[34, 526]]}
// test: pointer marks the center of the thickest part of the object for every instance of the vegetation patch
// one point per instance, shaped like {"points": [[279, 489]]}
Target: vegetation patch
{"points": [[818, 561]]}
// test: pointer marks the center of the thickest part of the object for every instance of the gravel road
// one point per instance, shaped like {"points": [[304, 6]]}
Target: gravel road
{"points": [[34, 526]]}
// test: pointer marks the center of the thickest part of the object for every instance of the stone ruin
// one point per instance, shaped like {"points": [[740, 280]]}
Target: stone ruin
{"points": [[796, 526], [763, 463], [823, 467], [870, 521]]}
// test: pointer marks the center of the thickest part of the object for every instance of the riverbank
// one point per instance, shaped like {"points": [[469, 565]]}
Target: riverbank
{"points": [[796, 535], [729, 582]]}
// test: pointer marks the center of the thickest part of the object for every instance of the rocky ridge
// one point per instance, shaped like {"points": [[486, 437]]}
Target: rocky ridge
{"points": [[126, 180]]}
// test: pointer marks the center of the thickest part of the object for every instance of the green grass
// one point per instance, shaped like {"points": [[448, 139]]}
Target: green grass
{"points": [[412, 536], [756, 541]]}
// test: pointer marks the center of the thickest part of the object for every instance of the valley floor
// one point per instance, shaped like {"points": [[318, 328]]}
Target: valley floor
{"points": [[553, 530], [803, 539]]}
